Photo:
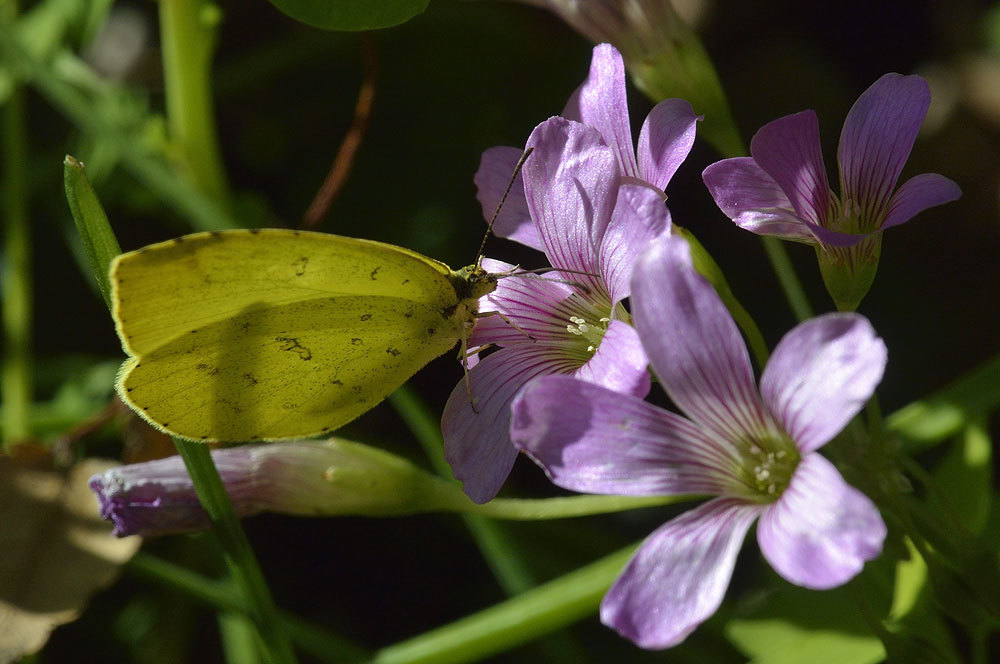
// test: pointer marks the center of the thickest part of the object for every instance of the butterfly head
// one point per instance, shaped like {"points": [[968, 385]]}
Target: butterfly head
{"points": [[473, 282]]}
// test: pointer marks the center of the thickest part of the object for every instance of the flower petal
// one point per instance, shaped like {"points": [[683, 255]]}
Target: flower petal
{"points": [[917, 194], [478, 445], [753, 200], [665, 141], [602, 104], [571, 183], [593, 440], [513, 222], [679, 575], [619, 363], [692, 342], [822, 530], [640, 216], [821, 374], [531, 302], [788, 150], [876, 140]]}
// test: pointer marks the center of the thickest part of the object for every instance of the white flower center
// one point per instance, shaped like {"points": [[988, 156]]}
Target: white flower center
{"points": [[769, 461], [591, 333]]}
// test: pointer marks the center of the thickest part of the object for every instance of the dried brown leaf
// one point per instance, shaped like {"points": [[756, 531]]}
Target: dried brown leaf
{"points": [[55, 550]]}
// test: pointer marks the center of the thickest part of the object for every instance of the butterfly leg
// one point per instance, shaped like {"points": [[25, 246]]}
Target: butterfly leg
{"points": [[464, 354], [507, 320]]}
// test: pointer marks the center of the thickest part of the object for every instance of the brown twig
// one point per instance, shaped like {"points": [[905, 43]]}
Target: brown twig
{"points": [[352, 139]]}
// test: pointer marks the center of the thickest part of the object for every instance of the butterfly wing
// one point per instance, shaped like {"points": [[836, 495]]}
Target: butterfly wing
{"points": [[274, 334]]}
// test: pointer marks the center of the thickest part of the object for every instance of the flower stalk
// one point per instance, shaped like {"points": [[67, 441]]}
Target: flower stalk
{"points": [[188, 35]]}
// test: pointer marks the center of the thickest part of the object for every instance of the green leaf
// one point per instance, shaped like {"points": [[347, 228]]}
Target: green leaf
{"points": [[795, 625], [99, 242], [914, 617], [351, 14], [933, 419], [965, 475]]}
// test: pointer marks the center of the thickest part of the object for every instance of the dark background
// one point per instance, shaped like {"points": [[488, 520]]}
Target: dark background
{"points": [[456, 80]]}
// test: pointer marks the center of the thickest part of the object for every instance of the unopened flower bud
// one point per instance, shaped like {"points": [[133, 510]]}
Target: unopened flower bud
{"points": [[321, 478]]}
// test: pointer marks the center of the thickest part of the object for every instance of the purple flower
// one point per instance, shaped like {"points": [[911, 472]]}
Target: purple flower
{"points": [[782, 189], [756, 451], [316, 478], [591, 204], [665, 139]]}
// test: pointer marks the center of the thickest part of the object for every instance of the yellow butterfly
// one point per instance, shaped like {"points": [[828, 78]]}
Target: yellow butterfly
{"points": [[274, 334]]}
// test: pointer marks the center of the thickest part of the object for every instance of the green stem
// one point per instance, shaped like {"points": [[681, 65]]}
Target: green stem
{"points": [[789, 280], [526, 509], [239, 638], [503, 559], [517, 621], [314, 640], [80, 106], [16, 382], [187, 37], [238, 554]]}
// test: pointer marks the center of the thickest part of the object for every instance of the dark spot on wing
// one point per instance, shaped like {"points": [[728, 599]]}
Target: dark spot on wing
{"points": [[254, 231], [300, 265], [215, 233], [355, 341], [250, 379], [244, 326], [292, 344], [233, 406], [431, 331], [337, 382], [395, 352], [405, 281], [374, 272], [366, 316]]}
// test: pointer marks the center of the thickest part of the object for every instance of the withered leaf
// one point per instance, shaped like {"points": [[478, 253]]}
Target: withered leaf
{"points": [[55, 550]]}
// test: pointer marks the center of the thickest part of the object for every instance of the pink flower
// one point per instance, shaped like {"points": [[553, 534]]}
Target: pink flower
{"points": [[754, 450], [591, 203], [782, 189]]}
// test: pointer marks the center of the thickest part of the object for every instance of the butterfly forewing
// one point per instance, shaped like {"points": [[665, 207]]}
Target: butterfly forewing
{"points": [[276, 334], [165, 290]]}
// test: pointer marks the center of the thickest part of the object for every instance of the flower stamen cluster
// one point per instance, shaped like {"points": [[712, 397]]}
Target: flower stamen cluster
{"points": [[591, 333], [769, 461]]}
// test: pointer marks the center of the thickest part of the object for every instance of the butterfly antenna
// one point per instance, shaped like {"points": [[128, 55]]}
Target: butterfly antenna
{"points": [[496, 213]]}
